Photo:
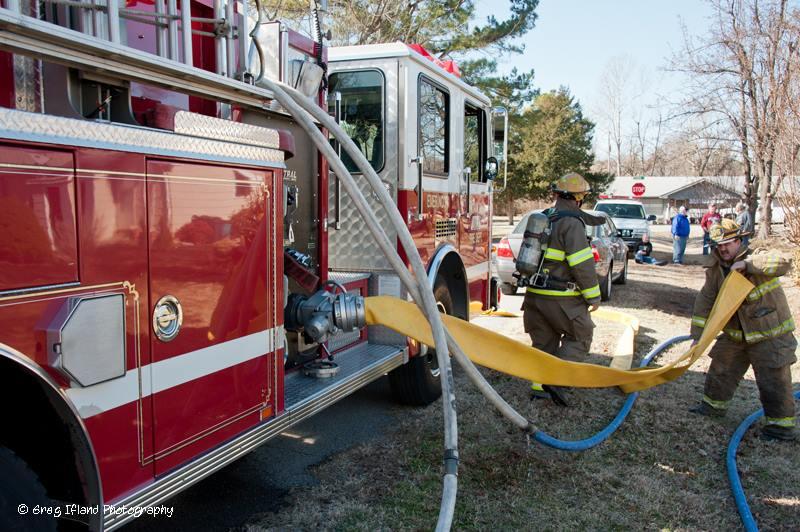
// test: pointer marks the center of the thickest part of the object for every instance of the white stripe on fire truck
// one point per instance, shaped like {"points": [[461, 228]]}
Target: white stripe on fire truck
{"points": [[478, 270], [35, 167], [103, 174], [171, 372]]}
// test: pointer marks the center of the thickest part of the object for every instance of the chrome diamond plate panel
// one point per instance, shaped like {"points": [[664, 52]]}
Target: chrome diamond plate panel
{"points": [[352, 247], [348, 277], [198, 125], [67, 131], [301, 389], [343, 340]]}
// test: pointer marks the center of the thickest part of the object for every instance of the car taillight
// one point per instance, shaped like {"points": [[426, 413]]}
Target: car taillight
{"points": [[595, 254], [504, 249]]}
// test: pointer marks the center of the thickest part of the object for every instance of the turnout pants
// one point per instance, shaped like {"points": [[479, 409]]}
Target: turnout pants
{"points": [[560, 326], [771, 361]]}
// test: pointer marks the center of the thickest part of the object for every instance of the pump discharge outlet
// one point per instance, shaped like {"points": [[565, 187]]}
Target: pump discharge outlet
{"points": [[324, 314]]}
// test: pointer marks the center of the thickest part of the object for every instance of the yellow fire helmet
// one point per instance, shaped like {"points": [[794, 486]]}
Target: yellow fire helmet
{"points": [[572, 184], [725, 231]]}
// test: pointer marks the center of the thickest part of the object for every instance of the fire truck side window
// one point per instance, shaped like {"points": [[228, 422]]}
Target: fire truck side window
{"points": [[434, 134], [473, 147], [361, 113]]}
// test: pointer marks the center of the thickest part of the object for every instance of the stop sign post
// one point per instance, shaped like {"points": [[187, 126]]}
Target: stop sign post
{"points": [[638, 189]]}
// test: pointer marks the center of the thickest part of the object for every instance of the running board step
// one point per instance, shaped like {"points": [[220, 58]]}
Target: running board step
{"points": [[358, 366]]}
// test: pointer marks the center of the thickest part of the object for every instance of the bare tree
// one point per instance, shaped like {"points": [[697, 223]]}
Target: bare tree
{"points": [[615, 96], [649, 127], [741, 71]]}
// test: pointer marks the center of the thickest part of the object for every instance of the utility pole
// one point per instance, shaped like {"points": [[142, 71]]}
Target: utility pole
{"points": [[608, 159]]}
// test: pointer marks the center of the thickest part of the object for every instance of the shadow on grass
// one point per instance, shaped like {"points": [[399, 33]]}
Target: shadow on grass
{"points": [[652, 293]]}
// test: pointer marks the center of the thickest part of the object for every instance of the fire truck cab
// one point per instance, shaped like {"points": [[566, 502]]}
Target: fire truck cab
{"points": [[428, 135], [180, 275]]}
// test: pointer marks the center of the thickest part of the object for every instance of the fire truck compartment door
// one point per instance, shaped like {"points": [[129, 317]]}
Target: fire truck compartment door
{"points": [[210, 234], [38, 239]]}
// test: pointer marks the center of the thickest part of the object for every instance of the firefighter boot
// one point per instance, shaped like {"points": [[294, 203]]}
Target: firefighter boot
{"points": [[557, 394], [538, 392], [705, 409], [544, 391], [778, 432]]}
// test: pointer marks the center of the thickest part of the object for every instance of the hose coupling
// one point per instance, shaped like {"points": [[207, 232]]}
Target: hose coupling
{"points": [[451, 462], [325, 314]]}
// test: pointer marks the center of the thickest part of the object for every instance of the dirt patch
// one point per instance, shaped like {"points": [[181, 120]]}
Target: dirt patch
{"points": [[663, 469]]}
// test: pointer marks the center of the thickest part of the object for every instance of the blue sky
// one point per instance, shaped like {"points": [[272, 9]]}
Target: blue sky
{"points": [[574, 40]]}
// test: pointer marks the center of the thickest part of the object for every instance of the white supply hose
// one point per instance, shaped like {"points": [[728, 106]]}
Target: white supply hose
{"points": [[428, 306], [408, 244]]}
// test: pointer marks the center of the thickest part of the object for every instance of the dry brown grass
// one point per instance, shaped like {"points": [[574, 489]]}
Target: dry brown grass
{"points": [[663, 470]]}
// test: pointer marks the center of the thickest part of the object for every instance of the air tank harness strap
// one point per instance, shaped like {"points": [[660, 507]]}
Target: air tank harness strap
{"points": [[495, 351], [556, 292], [555, 286]]}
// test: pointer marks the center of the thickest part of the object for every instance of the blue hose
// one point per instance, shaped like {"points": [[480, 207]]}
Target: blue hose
{"points": [[582, 445], [733, 474]]}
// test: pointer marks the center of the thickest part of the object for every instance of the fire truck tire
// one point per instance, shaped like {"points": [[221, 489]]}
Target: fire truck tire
{"points": [[508, 289], [20, 492], [417, 382]]}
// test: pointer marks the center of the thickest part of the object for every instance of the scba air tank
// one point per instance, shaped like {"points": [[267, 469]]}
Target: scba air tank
{"points": [[534, 238]]}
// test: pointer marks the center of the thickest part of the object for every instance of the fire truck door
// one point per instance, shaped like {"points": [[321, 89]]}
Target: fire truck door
{"points": [[211, 304], [366, 109], [474, 195]]}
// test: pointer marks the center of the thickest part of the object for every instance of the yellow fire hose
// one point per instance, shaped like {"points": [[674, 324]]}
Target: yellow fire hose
{"points": [[623, 353], [497, 352]]}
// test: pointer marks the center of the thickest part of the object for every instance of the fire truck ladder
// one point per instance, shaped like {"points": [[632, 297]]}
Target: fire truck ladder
{"points": [[98, 48]]}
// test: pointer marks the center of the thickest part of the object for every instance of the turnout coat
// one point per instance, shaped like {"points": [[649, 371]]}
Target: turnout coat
{"points": [[764, 315]]}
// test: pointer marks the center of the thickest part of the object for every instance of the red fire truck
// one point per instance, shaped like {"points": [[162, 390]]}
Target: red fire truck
{"points": [[180, 276]]}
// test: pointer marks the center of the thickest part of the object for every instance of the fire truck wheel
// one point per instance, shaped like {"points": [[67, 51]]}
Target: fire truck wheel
{"points": [[417, 382], [21, 492]]}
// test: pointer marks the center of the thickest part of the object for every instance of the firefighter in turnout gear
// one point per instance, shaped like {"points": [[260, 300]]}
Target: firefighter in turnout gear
{"points": [[557, 304], [759, 334]]}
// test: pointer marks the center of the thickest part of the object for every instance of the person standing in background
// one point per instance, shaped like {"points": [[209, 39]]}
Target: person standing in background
{"points": [[745, 222], [680, 235], [710, 218]]}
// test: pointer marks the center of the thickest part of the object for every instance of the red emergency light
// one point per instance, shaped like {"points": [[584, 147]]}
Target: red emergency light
{"points": [[447, 66]]}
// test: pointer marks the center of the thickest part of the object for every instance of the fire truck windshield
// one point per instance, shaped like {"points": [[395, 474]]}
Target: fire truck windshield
{"points": [[360, 112]]}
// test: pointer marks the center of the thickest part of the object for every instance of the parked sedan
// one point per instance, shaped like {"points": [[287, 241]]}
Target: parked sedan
{"points": [[610, 255]]}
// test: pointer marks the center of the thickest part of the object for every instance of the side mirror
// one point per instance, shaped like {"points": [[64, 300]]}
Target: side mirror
{"points": [[651, 218], [500, 140], [492, 167]]}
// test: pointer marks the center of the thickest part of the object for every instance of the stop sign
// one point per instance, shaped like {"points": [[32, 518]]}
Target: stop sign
{"points": [[638, 189]]}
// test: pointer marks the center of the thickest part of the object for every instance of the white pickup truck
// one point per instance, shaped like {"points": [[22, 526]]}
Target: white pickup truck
{"points": [[630, 218]]}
